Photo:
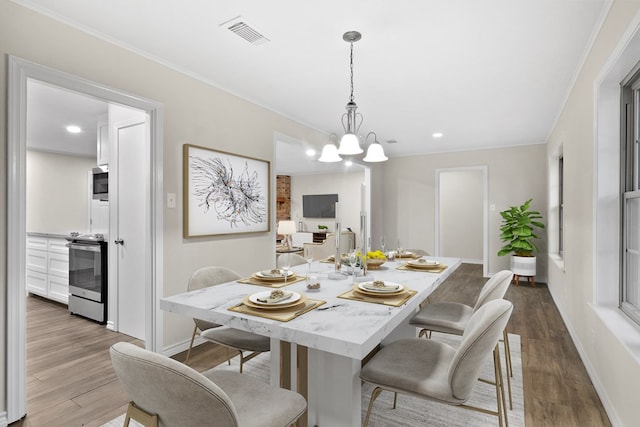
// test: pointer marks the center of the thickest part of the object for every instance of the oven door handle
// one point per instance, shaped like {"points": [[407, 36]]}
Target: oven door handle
{"points": [[89, 248]]}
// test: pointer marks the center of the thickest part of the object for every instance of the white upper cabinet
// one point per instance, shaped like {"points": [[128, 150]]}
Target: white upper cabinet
{"points": [[103, 142]]}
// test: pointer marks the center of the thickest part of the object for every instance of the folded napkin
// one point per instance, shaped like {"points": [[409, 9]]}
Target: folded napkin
{"points": [[276, 272], [275, 296], [379, 285]]}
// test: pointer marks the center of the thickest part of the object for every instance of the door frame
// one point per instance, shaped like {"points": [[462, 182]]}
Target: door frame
{"points": [[19, 71], [485, 211]]}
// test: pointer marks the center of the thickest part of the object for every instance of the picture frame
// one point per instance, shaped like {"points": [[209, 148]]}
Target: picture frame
{"points": [[224, 193]]}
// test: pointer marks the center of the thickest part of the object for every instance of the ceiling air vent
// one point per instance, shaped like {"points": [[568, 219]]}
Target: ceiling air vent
{"points": [[240, 27]]}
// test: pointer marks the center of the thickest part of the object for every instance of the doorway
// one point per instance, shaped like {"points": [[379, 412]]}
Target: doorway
{"points": [[461, 214], [20, 71]]}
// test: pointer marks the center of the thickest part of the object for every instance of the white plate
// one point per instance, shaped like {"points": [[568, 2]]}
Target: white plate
{"points": [[423, 263], [265, 294], [399, 288], [267, 274]]}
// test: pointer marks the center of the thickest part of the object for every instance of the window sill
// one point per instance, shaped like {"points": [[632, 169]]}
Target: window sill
{"points": [[621, 327], [557, 260]]}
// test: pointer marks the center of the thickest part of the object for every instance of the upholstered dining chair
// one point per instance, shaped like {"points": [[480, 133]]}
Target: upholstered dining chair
{"points": [[294, 259], [436, 371], [166, 393], [419, 252], [453, 317], [235, 339]]}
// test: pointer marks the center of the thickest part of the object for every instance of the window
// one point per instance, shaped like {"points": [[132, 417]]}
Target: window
{"points": [[630, 187], [561, 206]]}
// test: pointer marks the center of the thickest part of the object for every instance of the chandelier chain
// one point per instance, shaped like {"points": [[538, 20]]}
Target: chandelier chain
{"points": [[351, 70]]}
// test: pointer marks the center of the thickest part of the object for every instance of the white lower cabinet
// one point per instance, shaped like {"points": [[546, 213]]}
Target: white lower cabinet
{"points": [[48, 268]]}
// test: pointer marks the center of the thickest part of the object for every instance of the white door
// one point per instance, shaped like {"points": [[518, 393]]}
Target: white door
{"points": [[128, 234]]}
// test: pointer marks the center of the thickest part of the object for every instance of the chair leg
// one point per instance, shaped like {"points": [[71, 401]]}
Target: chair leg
{"points": [[425, 332], [376, 392], [502, 404], [193, 336], [395, 399], [142, 417], [509, 366]]}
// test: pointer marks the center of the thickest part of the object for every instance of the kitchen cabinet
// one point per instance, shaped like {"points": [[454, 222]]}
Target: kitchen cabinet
{"points": [[103, 143], [47, 265]]}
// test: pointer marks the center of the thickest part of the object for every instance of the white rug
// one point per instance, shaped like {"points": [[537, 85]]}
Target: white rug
{"points": [[412, 411]]}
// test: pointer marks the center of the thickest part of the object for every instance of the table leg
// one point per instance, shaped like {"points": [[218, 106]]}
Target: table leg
{"points": [[334, 390]]}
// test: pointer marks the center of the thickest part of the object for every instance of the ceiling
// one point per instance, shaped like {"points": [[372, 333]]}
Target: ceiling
{"points": [[490, 73]]}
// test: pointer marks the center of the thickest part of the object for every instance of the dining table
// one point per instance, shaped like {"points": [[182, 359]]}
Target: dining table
{"points": [[320, 349]]}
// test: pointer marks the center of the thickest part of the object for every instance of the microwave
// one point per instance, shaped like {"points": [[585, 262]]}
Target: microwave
{"points": [[100, 183]]}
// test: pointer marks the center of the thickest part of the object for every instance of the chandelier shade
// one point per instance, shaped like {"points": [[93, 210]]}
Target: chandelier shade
{"points": [[375, 152], [329, 154]]}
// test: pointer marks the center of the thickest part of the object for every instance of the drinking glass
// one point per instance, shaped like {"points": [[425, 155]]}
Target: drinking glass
{"points": [[382, 244], [353, 261], [399, 254], [285, 264], [309, 259]]}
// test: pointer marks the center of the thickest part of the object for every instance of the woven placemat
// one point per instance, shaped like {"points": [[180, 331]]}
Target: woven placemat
{"points": [[283, 315], [438, 269], [272, 283], [392, 300]]}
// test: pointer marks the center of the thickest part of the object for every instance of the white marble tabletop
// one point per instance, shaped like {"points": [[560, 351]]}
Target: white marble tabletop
{"points": [[351, 328]]}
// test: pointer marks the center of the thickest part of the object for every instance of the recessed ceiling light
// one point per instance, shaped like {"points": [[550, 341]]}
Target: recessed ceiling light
{"points": [[438, 135], [74, 129], [310, 152]]}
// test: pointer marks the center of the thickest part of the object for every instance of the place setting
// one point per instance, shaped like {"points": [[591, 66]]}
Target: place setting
{"points": [[273, 278], [422, 264], [277, 304], [379, 292]]}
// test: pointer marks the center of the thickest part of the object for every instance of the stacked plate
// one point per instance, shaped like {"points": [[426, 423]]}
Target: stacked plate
{"points": [[389, 289], [425, 264], [260, 300], [275, 275]]}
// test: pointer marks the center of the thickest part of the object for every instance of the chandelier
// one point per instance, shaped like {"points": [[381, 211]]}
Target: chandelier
{"points": [[351, 121]]}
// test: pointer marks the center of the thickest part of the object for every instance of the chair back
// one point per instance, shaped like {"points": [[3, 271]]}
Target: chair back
{"points": [[495, 288], [178, 394], [294, 259], [419, 252], [210, 276], [480, 337]]}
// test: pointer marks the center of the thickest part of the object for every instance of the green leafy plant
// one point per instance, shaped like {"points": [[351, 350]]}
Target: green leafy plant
{"points": [[517, 230], [322, 227]]}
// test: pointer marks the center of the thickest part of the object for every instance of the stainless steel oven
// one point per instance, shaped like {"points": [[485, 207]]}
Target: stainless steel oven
{"points": [[88, 276]]}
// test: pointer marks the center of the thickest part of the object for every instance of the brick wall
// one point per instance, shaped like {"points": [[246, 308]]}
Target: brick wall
{"points": [[283, 197]]}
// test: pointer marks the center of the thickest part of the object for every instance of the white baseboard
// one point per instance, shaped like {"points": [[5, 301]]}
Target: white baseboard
{"points": [[600, 390], [4, 422], [181, 346], [110, 325]]}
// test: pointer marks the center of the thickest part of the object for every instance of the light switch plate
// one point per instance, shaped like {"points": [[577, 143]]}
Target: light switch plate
{"points": [[171, 200]]}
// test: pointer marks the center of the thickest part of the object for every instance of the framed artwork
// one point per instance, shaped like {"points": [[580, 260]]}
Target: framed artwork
{"points": [[224, 193]]}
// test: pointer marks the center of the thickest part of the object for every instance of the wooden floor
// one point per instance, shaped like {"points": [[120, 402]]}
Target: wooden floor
{"points": [[70, 381]]}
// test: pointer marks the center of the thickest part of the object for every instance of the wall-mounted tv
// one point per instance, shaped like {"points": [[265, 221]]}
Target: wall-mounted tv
{"points": [[319, 205]]}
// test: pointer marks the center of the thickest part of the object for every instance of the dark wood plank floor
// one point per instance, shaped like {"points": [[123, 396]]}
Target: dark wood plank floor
{"points": [[70, 381]]}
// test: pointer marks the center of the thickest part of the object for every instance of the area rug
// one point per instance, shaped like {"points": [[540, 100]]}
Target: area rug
{"points": [[412, 411]]}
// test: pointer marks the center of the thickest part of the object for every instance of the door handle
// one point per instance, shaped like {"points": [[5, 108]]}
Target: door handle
{"points": [[119, 242]]}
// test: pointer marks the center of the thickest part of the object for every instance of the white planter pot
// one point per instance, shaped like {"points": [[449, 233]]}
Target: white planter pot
{"points": [[523, 265]]}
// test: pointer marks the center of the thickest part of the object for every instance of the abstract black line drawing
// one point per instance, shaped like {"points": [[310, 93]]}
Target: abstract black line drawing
{"points": [[225, 193]]}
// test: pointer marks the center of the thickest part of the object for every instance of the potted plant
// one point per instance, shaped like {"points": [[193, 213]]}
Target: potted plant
{"points": [[517, 232]]}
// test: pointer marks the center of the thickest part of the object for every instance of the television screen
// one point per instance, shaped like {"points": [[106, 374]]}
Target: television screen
{"points": [[319, 205]]}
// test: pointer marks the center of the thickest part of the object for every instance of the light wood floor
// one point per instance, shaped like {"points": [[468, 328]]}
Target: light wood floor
{"points": [[70, 381]]}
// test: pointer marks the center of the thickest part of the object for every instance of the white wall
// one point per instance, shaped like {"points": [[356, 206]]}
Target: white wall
{"points": [[346, 185], [407, 186], [57, 192], [585, 286]]}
